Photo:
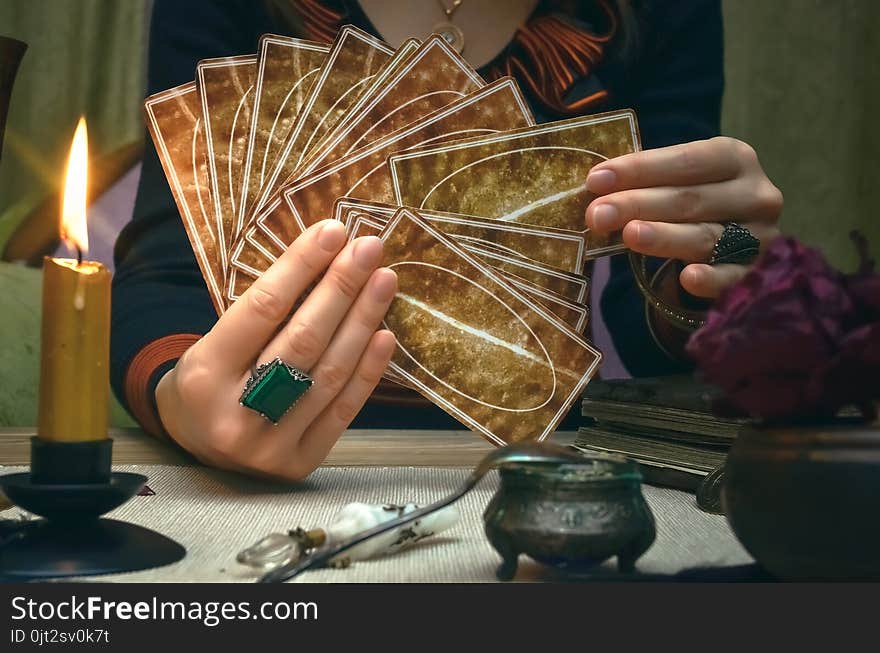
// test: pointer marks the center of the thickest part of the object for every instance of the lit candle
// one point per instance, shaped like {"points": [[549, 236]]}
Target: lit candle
{"points": [[75, 349]]}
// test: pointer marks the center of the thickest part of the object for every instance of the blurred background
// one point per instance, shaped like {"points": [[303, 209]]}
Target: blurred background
{"points": [[802, 87]]}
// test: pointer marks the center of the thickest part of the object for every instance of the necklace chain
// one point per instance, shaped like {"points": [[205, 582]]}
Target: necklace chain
{"points": [[450, 11]]}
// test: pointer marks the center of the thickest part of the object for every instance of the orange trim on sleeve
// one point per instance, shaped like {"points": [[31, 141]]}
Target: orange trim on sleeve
{"points": [[137, 378]]}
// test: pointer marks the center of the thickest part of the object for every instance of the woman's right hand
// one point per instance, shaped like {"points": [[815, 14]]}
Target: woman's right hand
{"points": [[332, 336]]}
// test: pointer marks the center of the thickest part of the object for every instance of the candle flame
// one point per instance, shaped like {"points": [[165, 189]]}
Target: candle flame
{"points": [[73, 208]]}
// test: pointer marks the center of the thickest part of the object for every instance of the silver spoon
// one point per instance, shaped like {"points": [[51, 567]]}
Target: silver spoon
{"points": [[527, 452]]}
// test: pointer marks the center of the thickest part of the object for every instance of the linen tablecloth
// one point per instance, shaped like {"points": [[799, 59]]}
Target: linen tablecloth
{"points": [[215, 514]]}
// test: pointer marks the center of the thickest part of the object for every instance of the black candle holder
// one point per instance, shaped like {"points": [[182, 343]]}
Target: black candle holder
{"points": [[70, 486]]}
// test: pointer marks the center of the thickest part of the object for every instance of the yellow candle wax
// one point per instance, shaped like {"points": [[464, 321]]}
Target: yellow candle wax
{"points": [[75, 351], [75, 354]]}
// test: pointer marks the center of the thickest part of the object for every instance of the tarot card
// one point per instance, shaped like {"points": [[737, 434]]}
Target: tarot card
{"points": [[534, 175], [226, 88], [575, 315], [286, 70], [557, 248], [373, 223], [264, 243], [483, 245], [174, 119], [498, 362], [362, 224], [359, 223], [237, 283], [249, 256], [380, 80], [572, 286], [249, 261], [434, 76], [354, 58], [364, 174]]}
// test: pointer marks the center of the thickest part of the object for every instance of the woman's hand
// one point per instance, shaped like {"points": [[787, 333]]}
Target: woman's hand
{"points": [[673, 202], [332, 336]]}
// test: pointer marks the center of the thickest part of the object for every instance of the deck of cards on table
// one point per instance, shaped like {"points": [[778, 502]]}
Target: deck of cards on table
{"points": [[481, 211]]}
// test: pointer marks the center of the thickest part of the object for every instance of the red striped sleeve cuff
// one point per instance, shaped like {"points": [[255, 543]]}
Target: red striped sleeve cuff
{"points": [[139, 382]]}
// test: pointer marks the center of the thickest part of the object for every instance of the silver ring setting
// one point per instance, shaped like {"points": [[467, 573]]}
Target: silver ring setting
{"points": [[274, 388]]}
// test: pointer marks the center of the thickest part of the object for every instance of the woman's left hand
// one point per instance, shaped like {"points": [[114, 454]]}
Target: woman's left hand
{"points": [[672, 202]]}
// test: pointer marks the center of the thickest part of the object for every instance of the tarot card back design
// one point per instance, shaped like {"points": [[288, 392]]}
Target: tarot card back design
{"points": [[378, 82], [286, 70], [364, 174], [498, 362], [557, 248], [174, 120], [226, 87], [533, 175], [433, 77], [360, 223], [353, 60]]}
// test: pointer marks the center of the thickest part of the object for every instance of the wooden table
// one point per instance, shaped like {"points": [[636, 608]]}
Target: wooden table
{"points": [[356, 448]]}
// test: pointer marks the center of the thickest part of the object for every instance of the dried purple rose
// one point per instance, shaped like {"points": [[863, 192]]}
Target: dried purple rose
{"points": [[795, 339]]}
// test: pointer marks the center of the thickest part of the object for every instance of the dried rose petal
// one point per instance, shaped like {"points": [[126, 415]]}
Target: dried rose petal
{"points": [[851, 377], [794, 338], [865, 291]]}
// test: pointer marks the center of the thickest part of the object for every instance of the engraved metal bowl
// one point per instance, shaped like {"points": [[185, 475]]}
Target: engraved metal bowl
{"points": [[572, 515]]}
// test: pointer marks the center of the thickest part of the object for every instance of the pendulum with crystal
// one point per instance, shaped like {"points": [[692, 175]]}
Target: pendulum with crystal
{"points": [[277, 549]]}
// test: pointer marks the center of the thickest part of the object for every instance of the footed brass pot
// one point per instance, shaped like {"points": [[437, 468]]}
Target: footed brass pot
{"points": [[805, 500], [571, 516]]}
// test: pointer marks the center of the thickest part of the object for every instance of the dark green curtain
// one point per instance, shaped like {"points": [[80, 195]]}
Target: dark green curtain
{"points": [[802, 87], [84, 57]]}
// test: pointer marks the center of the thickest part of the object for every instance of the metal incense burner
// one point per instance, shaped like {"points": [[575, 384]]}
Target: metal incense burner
{"points": [[572, 515]]}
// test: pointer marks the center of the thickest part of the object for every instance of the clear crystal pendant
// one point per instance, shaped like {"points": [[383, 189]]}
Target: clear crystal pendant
{"points": [[452, 34], [278, 549]]}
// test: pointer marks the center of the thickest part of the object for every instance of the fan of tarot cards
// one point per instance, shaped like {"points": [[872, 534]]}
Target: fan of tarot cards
{"points": [[480, 210]]}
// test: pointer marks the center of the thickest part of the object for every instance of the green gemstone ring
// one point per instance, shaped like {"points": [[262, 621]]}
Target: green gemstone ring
{"points": [[274, 388]]}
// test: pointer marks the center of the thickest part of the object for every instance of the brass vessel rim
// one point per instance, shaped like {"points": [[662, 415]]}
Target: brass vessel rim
{"points": [[615, 471]]}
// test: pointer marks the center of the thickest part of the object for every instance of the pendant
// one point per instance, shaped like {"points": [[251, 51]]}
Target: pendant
{"points": [[452, 34], [279, 549]]}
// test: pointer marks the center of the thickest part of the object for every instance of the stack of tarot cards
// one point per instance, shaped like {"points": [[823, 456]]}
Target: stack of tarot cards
{"points": [[480, 210], [665, 424]]}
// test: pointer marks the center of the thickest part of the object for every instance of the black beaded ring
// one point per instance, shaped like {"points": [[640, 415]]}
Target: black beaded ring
{"points": [[736, 245]]}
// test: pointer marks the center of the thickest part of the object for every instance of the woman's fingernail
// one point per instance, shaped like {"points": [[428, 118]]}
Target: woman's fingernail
{"points": [[384, 285], [692, 278], [645, 233], [601, 181], [605, 217], [367, 252], [331, 236]]}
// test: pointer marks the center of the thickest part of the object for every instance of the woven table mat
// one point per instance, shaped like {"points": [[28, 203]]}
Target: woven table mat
{"points": [[215, 514]]}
